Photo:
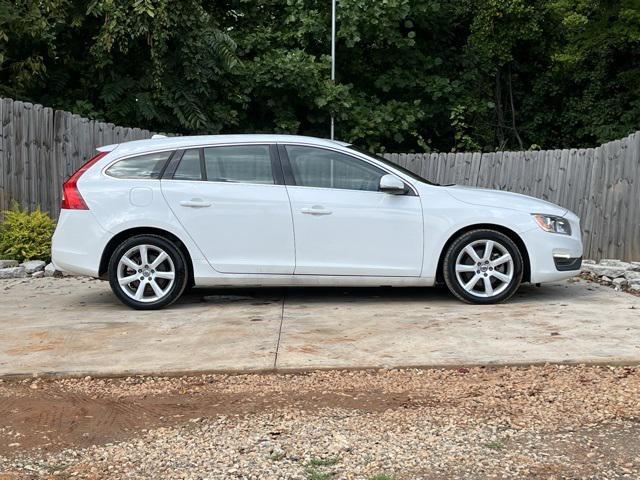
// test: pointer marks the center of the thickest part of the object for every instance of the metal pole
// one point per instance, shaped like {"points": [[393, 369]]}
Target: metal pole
{"points": [[333, 53]]}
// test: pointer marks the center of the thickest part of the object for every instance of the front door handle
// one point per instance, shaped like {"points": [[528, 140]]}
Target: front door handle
{"points": [[195, 203], [316, 210]]}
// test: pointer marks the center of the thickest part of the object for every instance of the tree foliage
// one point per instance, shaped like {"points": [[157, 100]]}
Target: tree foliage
{"points": [[411, 74]]}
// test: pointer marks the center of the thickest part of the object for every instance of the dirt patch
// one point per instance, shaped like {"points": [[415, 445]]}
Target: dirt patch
{"points": [[49, 415], [54, 419]]}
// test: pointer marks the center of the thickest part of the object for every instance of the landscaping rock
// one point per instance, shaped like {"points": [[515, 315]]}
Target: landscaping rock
{"points": [[605, 271], [620, 282], [38, 274], [632, 275], [616, 273], [50, 271], [8, 263], [609, 262], [33, 266], [13, 272]]}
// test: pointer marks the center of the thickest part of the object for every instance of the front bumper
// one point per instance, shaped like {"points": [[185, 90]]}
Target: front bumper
{"points": [[553, 256]]}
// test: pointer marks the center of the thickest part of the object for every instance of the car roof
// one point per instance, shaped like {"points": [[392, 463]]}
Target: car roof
{"points": [[161, 143]]}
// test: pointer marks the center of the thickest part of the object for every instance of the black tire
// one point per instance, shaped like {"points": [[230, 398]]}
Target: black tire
{"points": [[453, 280], [176, 260]]}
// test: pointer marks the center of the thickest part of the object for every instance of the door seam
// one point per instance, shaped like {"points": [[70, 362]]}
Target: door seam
{"points": [[293, 225]]}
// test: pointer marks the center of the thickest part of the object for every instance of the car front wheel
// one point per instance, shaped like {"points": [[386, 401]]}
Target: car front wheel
{"points": [[147, 272], [483, 266]]}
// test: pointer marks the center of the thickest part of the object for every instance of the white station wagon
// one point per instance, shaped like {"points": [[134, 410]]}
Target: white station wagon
{"points": [[158, 216]]}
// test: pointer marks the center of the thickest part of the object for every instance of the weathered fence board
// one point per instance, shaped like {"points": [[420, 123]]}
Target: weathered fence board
{"points": [[40, 147], [2, 157], [633, 205]]}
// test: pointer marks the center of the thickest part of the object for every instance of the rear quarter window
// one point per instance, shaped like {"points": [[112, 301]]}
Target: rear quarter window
{"points": [[148, 166]]}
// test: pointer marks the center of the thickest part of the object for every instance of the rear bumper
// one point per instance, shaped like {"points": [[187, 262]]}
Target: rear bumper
{"points": [[78, 243]]}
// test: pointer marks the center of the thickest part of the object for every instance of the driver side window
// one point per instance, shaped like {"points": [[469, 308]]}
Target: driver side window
{"points": [[320, 168]]}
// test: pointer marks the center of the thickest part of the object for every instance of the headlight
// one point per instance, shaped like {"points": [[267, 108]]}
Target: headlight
{"points": [[553, 224]]}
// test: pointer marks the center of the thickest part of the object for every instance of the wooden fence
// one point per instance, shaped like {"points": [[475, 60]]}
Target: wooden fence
{"points": [[40, 147]]}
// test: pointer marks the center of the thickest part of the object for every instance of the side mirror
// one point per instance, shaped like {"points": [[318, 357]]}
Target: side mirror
{"points": [[392, 185]]}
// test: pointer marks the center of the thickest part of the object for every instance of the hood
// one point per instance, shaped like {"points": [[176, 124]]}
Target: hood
{"points": [[500, 199]]}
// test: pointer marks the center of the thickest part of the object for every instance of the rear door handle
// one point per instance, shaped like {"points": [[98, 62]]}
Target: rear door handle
{"points": [[195, 203], [316, 210]]}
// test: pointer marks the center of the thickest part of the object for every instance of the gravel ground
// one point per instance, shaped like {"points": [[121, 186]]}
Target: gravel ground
{"points": [[536, 422]]}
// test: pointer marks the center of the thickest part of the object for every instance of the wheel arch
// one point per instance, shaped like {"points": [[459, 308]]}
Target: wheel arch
{"points": [[526, 274], [118, 238]]}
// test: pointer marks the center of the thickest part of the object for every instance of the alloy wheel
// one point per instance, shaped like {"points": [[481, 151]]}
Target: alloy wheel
{"points": [[484, 268], [146, 273]]}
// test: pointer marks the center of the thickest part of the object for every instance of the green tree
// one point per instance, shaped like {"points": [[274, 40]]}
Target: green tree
{"points": [[590, 93], [411, 74], [159, 59]]}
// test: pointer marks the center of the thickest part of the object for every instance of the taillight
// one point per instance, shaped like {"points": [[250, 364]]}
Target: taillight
{"points": [[71, 198]]}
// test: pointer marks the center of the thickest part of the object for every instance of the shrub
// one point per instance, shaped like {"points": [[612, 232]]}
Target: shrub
{"points": [[26, 235]]}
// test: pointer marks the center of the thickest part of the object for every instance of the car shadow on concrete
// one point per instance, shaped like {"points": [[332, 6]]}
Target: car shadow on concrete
{"points": [[335, 295]]}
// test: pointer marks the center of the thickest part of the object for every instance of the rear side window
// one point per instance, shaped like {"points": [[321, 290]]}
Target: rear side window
{"points": [[241, 164], [189, 168], [142, 166]]}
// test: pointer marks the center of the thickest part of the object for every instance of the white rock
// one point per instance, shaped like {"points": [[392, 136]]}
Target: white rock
{"points": [[33, 266], [588, 262], [8, 263], [620, 282], [605, 271], [632, 275], [50, 271], [13, 272], [38, 274], [610, 262]]}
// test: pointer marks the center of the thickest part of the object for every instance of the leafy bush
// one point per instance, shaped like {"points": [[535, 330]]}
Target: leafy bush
{"points": [[26, 235]]}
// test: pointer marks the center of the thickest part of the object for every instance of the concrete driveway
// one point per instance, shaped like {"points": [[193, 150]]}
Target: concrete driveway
{"points": [[75, 326]]}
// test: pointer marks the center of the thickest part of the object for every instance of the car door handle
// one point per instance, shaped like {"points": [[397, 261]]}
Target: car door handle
{"points": [[195, 203], [316, 210]]}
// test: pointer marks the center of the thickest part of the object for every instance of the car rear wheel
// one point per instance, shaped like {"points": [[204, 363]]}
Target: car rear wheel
{"points": [[483, 266], [147, 272]]}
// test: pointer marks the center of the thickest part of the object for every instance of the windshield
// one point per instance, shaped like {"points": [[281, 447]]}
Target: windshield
{"points": [[406, 171]]}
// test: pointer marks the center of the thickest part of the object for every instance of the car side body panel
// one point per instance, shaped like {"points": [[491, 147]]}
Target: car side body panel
{"points": [[242, 229], [117, 205]]}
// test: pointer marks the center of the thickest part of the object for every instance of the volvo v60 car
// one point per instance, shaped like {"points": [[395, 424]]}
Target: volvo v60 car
{"points": [[158, 216]]}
